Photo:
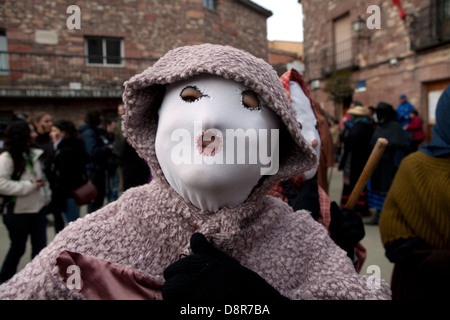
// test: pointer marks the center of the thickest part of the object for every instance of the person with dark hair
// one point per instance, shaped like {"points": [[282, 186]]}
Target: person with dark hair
{"points": [[98, 152], [25, 192], [68, 169], [119, 144], [42, 123], [380, 182]]}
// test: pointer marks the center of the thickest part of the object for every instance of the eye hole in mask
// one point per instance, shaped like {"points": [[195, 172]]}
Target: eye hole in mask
{"points": [[191, 94], [250, 100]]}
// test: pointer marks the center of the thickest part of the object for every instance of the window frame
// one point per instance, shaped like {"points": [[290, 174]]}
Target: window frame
{"points": [[210, 4], [4, 57], [104, 52]]}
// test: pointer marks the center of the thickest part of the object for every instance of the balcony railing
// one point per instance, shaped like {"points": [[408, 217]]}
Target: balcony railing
{"points": [[430, 26], [20, 70], [338, 56]]}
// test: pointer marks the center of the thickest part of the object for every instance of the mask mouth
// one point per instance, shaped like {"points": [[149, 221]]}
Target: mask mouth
{"points": [[209, 142]]}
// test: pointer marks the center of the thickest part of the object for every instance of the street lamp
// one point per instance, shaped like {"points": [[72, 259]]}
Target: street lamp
{"points": [[359, 27]]}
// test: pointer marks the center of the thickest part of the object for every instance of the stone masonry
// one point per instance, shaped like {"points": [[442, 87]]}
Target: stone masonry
{"points": [[386, 62], [149, 28]]}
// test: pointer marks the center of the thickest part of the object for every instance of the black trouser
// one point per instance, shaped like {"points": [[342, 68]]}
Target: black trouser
{"points": [[19, 227]]}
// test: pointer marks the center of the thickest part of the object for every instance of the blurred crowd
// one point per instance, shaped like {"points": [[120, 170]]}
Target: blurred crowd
{"points": [[46, 160], [354, 137]]}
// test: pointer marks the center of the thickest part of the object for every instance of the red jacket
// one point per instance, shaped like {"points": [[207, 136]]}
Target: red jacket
{"points": [[415, 127]]}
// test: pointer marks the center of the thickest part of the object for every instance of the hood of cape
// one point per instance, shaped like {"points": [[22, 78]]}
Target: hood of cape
{"points": [[144, 92]]}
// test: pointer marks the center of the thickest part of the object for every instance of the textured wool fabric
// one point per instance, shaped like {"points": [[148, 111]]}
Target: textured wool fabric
{"points": [[149, 226], [417, 205]]}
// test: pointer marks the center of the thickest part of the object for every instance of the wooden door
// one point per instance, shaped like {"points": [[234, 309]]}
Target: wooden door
{"points": [[433, 91]]}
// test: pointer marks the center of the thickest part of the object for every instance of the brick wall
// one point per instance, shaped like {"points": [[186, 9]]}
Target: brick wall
{"points": [[69, 109], [385, 81], [149, 28]]}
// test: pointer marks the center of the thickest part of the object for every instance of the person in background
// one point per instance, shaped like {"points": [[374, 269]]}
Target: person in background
{"points": [[136, 171], [416, 135], [371, 110], [389, 128], [305, 191], [356, 140], [25, 193], [346, 117], [118, 144], [98, 152], [68, 169], [112, 174], [42, 123], [415, 221], [335, 137], [404, 110], [326, 159]]}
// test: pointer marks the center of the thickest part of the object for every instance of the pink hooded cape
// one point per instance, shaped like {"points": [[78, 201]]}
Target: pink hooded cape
{"points": [[148, 227]]}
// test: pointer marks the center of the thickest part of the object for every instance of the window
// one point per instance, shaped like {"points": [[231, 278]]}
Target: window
{"points": [[104, 51], [210, 4], [360, 86], [430, 26], [4, 64], [343, 52], [443, 23]]}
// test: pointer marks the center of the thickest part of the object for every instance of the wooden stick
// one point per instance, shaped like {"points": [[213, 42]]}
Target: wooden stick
{"points": [[369, 168]]}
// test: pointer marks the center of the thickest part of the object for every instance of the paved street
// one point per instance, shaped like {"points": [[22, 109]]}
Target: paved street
{"points": [[372, 242]]}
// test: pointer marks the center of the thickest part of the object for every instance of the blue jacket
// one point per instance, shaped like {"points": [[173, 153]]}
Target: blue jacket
{"points": [[403, 111], [98, 151]]}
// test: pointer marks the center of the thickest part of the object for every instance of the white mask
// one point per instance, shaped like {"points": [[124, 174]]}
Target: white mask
{"points": [[214, 170], [305, 115]]}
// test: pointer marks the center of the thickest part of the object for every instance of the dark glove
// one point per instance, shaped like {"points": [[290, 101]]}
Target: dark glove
{"points": [[346, 228], [210, 274]]}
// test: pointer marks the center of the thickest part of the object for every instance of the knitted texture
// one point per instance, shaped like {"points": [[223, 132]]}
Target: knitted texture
{"points": [[148, 227], [417, 204]]}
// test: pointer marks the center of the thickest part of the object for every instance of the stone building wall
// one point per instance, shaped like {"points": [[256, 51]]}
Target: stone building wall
{"points": [[149, 28], [386, 62]]}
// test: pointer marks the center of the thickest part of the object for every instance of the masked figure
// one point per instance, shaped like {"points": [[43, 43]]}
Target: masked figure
{"points": [[215, 126]]}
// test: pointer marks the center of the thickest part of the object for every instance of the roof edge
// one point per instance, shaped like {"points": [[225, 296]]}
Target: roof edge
{"points": [[256, 7]]}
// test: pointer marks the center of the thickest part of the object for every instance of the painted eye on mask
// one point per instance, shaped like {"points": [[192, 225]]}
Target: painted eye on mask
{"points": [[191, 94], [250, 100]]}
